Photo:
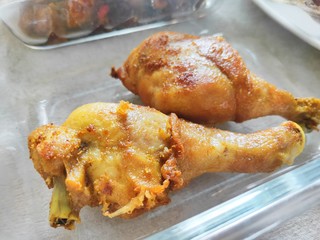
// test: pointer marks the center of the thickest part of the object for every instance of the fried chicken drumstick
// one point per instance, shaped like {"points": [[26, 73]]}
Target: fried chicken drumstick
{"points": [[127, 157], [204, 79]]}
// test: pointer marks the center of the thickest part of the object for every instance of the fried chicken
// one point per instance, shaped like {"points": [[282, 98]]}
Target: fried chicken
{"points": [[205, 80], [41, 18], [127, 158]]}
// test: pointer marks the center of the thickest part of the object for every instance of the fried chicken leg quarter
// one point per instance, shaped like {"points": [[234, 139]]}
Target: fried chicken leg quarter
{"points": [[204, 79], [127, 157]]}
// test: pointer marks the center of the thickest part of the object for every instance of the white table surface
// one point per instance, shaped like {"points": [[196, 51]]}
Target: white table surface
{"points": [[305, 226]]}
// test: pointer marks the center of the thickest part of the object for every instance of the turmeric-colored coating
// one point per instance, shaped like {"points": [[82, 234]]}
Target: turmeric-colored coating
{"points": [[126, 158], [204, 79]]}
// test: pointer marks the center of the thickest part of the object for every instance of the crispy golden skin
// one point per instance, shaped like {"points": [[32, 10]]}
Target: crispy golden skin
{"points": [[127, 157], [204, 79]]}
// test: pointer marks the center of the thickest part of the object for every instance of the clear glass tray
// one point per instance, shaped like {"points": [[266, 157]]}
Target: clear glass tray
{"points": [[47, 24], [45, 86]]}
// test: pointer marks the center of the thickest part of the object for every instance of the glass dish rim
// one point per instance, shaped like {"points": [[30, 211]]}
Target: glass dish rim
{"points": [[227, 218]]}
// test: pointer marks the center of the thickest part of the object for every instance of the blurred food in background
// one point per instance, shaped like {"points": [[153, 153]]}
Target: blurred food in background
{"points": [[60, 20]]}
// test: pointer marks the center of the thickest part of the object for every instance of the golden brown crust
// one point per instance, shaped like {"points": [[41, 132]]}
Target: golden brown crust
{"points": [[170, 169], [126, 158], [204, 79], [226, 58], [50, 149]]}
